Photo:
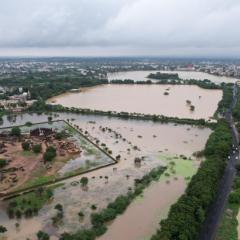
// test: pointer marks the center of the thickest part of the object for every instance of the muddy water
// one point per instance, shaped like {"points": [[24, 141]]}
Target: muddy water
{"points": [[142, 75], [150, 136], [154, 140], [142, 217], [147, 99]]}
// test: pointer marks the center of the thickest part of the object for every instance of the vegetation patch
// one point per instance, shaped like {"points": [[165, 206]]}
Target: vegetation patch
{"points": [[41, 106], [177, 167], [29, 204], [229, 222]]}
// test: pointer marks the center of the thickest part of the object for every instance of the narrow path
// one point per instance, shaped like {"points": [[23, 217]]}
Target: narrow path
{"points": [[210, 227]]}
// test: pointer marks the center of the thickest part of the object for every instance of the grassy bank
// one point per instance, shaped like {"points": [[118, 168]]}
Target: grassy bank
{"points": [[229, 223]]}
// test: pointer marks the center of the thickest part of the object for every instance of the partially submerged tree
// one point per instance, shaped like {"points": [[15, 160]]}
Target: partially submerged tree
{"points": [[42, 236], [2, 229], [84, 181]]}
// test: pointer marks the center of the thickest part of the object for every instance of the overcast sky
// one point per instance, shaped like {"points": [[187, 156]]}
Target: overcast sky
{"points": [[120, 27]]}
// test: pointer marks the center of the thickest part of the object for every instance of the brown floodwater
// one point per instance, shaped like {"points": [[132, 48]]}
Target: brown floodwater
{"points": [[142, 75], [141, 219], [147, 99]]}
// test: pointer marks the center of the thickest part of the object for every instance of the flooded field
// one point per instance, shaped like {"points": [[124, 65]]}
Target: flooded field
{"points": [[167, 100], [157, 144], [142, 75], [149, 208]]}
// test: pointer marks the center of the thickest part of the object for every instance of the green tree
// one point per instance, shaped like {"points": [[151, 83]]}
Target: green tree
{"points": [[59, 207], [50, 154], [16, 131], [3, 163], [84, 181], [2, 229], [28, 124], [26, 146], [59, 135], [42, 236]]}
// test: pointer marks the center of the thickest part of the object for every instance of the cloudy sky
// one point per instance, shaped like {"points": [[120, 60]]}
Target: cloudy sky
{"points": [[120, 27]]}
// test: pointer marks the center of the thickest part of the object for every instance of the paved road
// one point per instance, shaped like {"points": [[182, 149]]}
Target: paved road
{"points": [[216, 211]]}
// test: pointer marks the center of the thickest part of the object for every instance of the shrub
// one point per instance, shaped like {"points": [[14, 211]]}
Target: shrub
{"points": [[16, 131], [42, 236], [236, 184], [59, 135], [28, 124], [2, 229], [81, 214], [3, 163], [37, 148], [26, 146], [234, 197], [59, 207], [50, 154], [84, 181]]}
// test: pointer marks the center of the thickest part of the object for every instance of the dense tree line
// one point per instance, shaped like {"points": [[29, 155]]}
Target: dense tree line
{"points": [[43, 85], [206, 84], [236, 109], [164, 76], [41, 106], [186, 217], [226, 99]]}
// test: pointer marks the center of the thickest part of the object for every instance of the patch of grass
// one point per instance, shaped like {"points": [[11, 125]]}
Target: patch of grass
{"points": [[39, 180], [28, 154], [76, 171], [228, 226], [70, 129], [177, 167]]}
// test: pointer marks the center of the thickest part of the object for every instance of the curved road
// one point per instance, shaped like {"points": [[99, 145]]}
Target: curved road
{"points": [[216, 211]]}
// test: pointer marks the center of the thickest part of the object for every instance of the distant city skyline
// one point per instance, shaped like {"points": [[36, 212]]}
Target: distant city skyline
{"points": [[167, 28]]}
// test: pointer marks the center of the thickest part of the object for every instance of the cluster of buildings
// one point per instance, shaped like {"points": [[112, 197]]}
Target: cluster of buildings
{"points": [[16, 102]]}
